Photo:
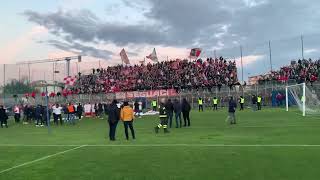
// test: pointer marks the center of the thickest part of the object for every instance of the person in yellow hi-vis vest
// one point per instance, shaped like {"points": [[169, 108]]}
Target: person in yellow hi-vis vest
{"points": [[200, 102], [241, 101], [259, 101], [215, 103], [154, 105]]}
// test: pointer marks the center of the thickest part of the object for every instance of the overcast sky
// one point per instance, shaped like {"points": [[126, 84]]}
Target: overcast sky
{"points": [[99, 29]]}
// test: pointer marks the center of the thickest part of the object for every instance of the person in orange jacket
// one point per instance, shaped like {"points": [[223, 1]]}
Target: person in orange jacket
{"points": [[71, 112], [127, 116]]}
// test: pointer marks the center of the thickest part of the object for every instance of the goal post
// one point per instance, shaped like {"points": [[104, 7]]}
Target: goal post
{"points": [[300, 96], [293, 90]]}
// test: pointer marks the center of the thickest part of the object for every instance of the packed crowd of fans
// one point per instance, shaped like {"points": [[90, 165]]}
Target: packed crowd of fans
{"points": [[301, 71], [178, 74]]}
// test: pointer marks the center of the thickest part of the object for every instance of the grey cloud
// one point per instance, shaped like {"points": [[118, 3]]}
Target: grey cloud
{"points": [[78, 48], [187, 23]]}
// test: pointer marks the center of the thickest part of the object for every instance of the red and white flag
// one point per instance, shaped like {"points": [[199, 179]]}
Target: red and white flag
{"points": [[195, 52], [153, 56], [124, 57], [69, 81]]}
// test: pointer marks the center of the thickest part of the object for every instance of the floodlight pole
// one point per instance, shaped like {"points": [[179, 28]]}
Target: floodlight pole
{"points": [[4, 83], [287, 99], [241, 64], [302, 47], [68, 66], [29, 77], [47, 105], [304, 100]]}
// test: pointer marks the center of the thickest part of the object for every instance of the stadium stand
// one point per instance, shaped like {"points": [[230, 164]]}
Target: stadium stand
{"points": [[178, 74], [298, 71]]}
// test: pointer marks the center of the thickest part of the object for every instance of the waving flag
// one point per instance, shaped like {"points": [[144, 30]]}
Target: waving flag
{"points": [[124, 57], [195, 52], [153, 56]]}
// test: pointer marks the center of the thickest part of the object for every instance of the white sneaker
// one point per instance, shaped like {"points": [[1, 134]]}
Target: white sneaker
{"points": [[42, 125], [37, 125]]}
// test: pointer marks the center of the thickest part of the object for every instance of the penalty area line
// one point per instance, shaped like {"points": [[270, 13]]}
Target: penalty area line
{"points": [[40, 159]]}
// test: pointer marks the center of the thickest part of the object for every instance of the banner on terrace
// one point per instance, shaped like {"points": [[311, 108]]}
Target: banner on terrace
{"points": [[147, 94]]}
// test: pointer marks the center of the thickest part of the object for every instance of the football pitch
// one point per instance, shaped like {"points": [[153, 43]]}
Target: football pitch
{"points": [[270, 144]]}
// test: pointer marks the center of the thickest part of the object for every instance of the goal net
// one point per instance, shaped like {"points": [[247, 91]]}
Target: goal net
{"points": [[301, 97]]}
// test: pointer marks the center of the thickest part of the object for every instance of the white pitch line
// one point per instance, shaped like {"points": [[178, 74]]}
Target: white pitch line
{"points": [[157, 145], [40, 159]]}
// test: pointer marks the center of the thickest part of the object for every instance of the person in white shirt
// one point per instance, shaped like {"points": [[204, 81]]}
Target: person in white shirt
{"points": [[87, 109], [56, 110], [16, 110], [93, 110]]}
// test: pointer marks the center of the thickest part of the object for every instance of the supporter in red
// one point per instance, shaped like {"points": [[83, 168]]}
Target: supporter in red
{"points": [[163, 75]]}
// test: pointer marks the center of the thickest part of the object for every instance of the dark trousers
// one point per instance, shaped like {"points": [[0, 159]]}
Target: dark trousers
{"points": [[45, 120], [17, 117], [79, 114], [170, 117], [215, 107], [154, 108], [100, 112], [186, 118], [163, 124], [29, 118], [178, 120], [4, 122], [130, 125], [241, 107], [112, 130], [39, 119], [232, 117], [200, 108], [259, 106], [56, 117]]}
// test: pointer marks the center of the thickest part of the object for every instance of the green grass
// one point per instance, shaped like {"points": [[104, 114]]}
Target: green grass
{"points": [[197, 152]]}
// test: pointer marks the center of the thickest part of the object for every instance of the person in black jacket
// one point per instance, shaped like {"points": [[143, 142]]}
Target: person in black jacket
{"points": [[38, 115], [3, 117], [79, 111], [169, 108], [186, 108], [105, 108], [136, 108], [177, 112], [232, 111], [100, 110], [113, 119], [254, 100]]}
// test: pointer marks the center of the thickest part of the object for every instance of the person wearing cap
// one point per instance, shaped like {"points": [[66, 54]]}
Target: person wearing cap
{"points": [[127, 116], [113, 119]]}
